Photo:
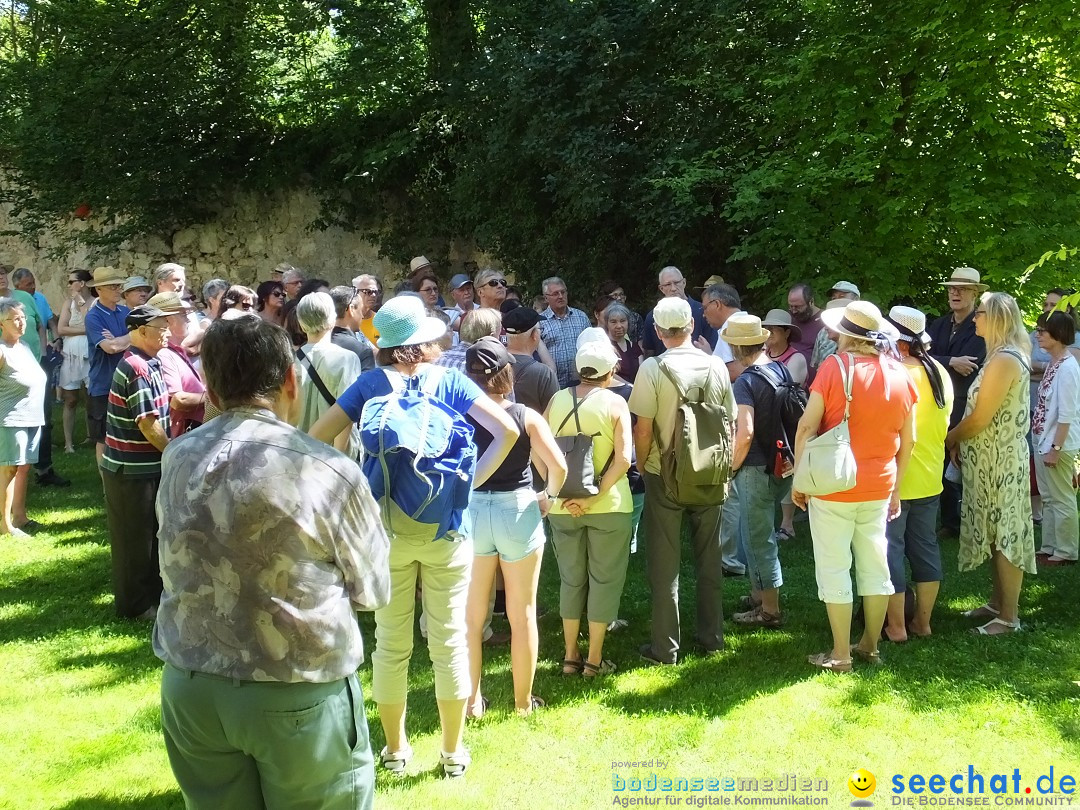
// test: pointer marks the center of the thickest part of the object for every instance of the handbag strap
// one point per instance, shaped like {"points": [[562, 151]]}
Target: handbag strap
{"points": [[848, 376], [315, 378]]}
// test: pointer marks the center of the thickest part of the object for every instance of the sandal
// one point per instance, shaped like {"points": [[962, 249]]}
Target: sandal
{"points": [[872, 658], [826, 661], [982, 612], [748, 602], [535, 702], [395, 761], [784, 534], [985, 630], [573, 666], [758, 618], [605, 667], [455, 765], [618, 624]]}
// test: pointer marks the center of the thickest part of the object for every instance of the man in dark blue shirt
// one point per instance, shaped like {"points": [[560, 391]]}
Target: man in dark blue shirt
{"points": [[673, 284], [107, 336]]}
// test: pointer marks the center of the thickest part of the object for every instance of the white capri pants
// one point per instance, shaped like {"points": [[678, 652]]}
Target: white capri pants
{"points": [[840, 530]]}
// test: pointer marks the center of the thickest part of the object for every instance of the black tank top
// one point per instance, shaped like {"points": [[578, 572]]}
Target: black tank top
{"points": [[515, 472]]}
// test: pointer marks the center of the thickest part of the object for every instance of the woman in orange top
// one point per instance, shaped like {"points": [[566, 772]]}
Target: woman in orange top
{"points": [[853, 522]]}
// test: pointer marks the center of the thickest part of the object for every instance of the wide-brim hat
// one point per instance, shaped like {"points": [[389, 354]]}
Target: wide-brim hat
{"points": [[169, 302], [909, 323], [965, 277], [135, 283], [403, 321], [743, 329], [417, 263], [107, 275], [781, 317], [858, 319], [710, 281]]}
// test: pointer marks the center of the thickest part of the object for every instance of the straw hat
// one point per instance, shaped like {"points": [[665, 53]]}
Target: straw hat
{"points": [[168, 302], [858, 319], [910, 323], [107, 275], [742, 329], [710, 281], [403, 321], [965, 277], [781, 317], [417, 263]]}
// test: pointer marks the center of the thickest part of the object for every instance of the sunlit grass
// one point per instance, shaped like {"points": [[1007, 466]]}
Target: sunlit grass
{"points": [[81, 728]]}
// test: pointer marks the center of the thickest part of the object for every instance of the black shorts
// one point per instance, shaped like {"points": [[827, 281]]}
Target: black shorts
{"points": [[95, 417]]}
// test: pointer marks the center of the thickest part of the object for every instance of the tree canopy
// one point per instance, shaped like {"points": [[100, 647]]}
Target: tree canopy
{"points": [[765, 140]]}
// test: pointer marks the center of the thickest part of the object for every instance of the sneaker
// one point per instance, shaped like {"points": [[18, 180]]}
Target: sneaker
{"points": [[646, 652], [455, 765], [757, 617], [395, 761], [51, 479]]}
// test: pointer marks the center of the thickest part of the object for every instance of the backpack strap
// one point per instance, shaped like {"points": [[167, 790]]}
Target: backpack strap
{"points": [[315, 378], [573, 411]]}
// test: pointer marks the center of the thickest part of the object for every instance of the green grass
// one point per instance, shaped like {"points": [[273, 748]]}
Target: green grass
{"points": [[81, 728]]}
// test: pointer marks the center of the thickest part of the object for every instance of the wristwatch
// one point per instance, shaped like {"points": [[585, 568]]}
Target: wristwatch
{"points": [[1056, 447]]}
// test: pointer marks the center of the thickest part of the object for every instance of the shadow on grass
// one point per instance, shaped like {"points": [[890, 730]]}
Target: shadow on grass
{"points": [[172, 800]]}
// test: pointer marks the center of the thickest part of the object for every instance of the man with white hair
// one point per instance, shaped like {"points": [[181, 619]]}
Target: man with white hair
{"points": [[561, 328], [291, 280], [349, 308], [673, 285], [325, 370], [655, 401]]}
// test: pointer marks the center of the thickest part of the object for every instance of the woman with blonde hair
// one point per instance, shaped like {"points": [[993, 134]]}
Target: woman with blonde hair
{"points": [[852, 523], [990, 446]]}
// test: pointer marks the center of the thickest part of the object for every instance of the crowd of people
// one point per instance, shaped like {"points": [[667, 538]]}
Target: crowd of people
{"points": [[251, 452]]}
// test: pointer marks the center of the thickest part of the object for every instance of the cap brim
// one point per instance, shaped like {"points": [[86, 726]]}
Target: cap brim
{"points": [[429, 330]]}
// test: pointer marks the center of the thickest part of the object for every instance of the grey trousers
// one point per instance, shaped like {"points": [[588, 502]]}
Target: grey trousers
{"points": [[663, 529]]}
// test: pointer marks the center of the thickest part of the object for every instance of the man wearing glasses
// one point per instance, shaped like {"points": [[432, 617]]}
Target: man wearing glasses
{"points": [[367, 289], [292, 279], [561, 328], [955, 345], [107, 339], [673, 285], [136, 433]]}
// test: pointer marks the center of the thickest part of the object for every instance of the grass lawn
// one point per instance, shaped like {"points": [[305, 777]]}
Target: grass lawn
{"points": [[81, 729]]}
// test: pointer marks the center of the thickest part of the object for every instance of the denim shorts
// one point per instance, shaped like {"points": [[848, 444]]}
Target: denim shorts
{"points": [[506, 523]]}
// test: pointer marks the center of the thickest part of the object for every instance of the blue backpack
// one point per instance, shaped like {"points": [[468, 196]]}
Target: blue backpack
{"points": [[419, 457]]}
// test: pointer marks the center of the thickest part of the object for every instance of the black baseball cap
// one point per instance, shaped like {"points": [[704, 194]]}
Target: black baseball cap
{"points": [[142, 315], [487, 356], [520, 320]]}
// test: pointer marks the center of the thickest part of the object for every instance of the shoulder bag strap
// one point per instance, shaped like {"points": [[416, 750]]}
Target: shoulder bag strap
{"points": [[315, 378], [847, 375], [573, 412]]}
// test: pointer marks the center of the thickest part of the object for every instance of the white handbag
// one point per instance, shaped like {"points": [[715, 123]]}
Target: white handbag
{"points": [[827, 465]]}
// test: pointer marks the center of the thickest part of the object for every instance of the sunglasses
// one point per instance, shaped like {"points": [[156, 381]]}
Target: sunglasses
{"points": [[372, 293], [278, 293], [496, 282]]}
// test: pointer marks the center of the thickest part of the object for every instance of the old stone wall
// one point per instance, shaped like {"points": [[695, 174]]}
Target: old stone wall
{"points": [[243, 244]]}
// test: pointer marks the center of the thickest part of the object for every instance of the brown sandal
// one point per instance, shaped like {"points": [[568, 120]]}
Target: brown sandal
{"points": [[826, 661], [572, 666]]}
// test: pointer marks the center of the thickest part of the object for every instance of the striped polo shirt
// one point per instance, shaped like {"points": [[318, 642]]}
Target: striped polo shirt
{"points": [[138, 390]]}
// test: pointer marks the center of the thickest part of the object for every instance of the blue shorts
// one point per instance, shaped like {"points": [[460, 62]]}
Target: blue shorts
{"points": [[506, 523]]}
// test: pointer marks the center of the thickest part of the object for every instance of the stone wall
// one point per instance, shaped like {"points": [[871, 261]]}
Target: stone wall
{"points": [[243, 245]]}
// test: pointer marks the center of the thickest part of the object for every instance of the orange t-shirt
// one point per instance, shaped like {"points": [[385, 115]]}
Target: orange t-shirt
{"points": [[882, 395]]}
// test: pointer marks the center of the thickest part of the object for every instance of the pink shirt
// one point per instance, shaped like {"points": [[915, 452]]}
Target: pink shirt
{"points": [[179, 376]]}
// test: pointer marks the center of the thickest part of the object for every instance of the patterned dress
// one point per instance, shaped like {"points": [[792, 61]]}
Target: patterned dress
{"points": [[996, 506]]}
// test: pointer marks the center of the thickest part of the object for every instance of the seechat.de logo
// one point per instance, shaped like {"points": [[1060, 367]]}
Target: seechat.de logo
{"points": [[862, 784]]}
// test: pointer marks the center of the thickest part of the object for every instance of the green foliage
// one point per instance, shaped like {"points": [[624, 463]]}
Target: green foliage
{"points": [[767, 140]]}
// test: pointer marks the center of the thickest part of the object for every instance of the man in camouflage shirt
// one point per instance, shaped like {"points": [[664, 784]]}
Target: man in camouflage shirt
{"points": [[270, 542]]}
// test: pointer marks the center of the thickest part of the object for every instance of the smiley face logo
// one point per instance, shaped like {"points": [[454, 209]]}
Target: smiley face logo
{"points": [[861, 783]]}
